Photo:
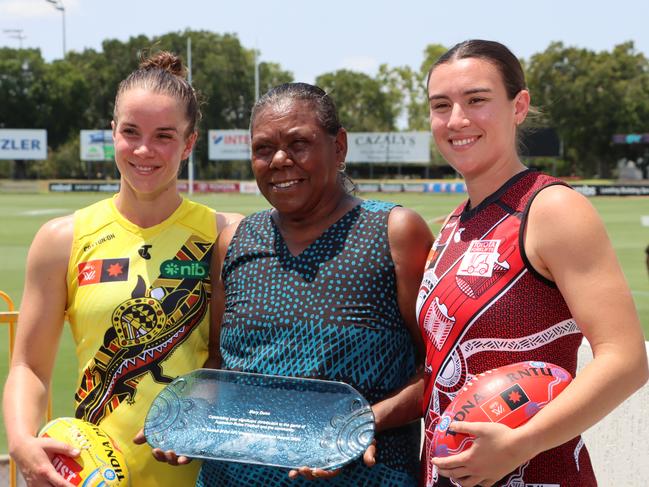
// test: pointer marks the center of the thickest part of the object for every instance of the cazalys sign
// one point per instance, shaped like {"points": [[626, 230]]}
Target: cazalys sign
{"points": [[388, 147]]}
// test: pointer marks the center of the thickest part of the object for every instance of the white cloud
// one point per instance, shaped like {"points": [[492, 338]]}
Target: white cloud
{"points": [[22, 9]]}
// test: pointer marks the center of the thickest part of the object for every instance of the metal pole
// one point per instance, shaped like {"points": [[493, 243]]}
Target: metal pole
{"points": [[190, 163], [16, 34], [58, 5], [63, 17], [256, 75]]}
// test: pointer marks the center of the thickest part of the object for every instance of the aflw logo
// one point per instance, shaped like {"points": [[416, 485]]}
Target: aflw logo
{"points": [[497, 409], [89, 273]]}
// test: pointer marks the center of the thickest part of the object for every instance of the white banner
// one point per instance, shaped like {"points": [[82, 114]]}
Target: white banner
{"points": [[401, 147], [228, 145], [248, 187], [96, 145], [23, 144]]}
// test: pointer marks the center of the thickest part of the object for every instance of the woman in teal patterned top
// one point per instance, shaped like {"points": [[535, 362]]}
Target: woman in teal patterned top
{"points": [[323, 285]]}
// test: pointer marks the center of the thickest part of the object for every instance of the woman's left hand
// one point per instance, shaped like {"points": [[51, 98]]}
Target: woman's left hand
{"points": [[168, 456], [313, 473], [495, 452], [369, 458]]}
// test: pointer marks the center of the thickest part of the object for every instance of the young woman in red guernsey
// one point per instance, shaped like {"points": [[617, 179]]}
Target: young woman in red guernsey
{"points": [[522, 270]]}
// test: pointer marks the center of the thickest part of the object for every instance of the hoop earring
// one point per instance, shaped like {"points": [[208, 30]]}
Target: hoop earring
{"points": [[341, 167]]}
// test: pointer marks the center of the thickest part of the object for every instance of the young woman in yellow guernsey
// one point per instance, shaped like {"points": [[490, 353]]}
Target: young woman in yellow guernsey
{"points": [[133, 275]]}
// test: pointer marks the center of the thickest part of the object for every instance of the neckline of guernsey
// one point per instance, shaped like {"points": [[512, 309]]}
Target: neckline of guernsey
{"points": [[134, 228]]}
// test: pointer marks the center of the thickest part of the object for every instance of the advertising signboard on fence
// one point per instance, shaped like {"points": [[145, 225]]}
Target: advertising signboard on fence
{"points": [[612, 190], [209, 187], [228, 145], [67, 187], [388, 147], [23, 144], [96, 145], [631, 139]]}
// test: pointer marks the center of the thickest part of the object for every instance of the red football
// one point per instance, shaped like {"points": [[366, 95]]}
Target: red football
{"points": [[509, 395]]}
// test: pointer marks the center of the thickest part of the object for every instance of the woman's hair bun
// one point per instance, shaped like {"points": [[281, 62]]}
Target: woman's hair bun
{"points": [[166, 61]]}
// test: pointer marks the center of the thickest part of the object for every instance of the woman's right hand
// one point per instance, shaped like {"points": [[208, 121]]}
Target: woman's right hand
{"points": [[33, 456]]}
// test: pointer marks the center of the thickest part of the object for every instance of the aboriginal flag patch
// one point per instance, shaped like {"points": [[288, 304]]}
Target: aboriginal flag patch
{"points": [[103, 270]]}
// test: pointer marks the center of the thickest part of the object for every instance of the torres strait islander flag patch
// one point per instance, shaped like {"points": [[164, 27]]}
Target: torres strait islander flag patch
{"points": [[103, 270]]}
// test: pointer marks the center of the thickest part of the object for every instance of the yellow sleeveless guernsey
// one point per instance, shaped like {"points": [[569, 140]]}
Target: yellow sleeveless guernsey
{"points": [[138, 305]]}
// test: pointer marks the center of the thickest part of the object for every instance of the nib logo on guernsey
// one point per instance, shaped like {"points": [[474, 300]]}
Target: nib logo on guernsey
{"points": [[103, 270], [181, 269]]}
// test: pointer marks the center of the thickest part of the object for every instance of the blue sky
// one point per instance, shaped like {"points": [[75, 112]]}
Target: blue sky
{"points": [[310, 38]]}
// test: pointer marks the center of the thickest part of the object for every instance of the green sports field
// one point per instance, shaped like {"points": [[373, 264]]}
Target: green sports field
{"points": [[22, 214]]}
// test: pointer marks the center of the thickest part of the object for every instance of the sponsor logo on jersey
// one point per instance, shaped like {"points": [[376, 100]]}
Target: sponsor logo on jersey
{"points": [[504, 403], [479, 258], [146, 329], [103, 270], [144, 251], [99, 241], [181, 269]]}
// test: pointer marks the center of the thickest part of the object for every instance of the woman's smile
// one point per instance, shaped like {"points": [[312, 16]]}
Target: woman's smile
{"points": [[290, 183]]}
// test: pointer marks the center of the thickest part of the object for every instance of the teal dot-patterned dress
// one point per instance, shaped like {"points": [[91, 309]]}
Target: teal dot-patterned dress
{"points": [[329, 313]]}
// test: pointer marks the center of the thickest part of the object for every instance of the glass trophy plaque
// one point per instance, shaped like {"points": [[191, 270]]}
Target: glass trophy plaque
{"points": [[261, 419]]}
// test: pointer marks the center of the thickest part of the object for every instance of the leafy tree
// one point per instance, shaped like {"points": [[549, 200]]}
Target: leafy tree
{"points": [[79, 92], [62, 95], [408, 87], [588, 97], [223, 72], [64, 162], [20, 71], [35, 94], [272, 74], [103, 71], [363, 105]]}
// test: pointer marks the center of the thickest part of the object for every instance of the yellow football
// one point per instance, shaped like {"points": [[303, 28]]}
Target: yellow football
{"points": [[100, 464]]}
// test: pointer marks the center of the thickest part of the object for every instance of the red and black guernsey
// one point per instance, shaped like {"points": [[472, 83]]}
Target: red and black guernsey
{"points": [[481, 305]]}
